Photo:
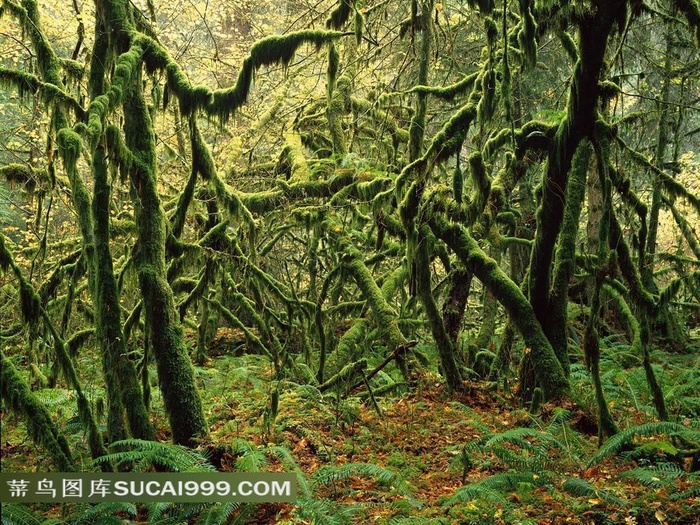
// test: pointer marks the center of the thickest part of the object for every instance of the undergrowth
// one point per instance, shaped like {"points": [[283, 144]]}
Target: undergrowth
{"points": [[422, 457]]}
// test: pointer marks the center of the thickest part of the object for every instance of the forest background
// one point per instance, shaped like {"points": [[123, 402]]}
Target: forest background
{"points": [[439, 259]]}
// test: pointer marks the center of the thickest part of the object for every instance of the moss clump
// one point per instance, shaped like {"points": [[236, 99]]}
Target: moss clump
{"points": [[340, 14], [26, 176], [527, 34]]}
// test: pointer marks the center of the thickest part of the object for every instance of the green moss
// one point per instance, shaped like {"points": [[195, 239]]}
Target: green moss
{"points": [[25, 176], [448, 93], [527, 34], [340, 14], [566, 255], [50, 94], [175, 371], [332, 71], [386, 317], [448, 141], [691, 10], [276, 49]]}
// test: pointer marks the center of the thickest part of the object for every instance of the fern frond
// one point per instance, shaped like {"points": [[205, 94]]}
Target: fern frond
{"points": [[251, 457], [17, 514], [418, 521], [490, 489], [581, 487], [325, 511], [104, 510], [331, 474], [656, 476], [142, 455], [219, 513], [615, 443]]}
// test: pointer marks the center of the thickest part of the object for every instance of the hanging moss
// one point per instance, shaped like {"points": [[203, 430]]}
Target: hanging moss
{"points": [[119, 154], [358, 26], [30, 179], [691, 10], [338, 105], [527, 34], [457, 183], [332, 70], [50, 94], [340, 14], [448, 93], [277, 49]]}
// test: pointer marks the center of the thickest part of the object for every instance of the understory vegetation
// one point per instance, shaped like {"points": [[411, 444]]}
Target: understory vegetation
{"points": [[440, 260]]}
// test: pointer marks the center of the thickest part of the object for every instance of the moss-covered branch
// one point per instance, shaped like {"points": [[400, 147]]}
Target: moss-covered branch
{"points": [[271, 50], [549, 373], [18, 396], [26, 83]]}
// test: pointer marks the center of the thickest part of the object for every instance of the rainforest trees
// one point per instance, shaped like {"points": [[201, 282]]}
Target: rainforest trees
{"points": [[354, 183]]}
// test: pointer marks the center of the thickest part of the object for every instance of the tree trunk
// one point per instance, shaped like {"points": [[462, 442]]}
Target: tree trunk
{"points": [[548, 371], [175, 371]]}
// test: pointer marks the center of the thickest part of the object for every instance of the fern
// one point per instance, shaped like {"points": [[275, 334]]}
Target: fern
{"points": [[102, 511], [219, 513], [142, 455], [491, 489], [618, 441], [331, 474], [581, 487], [528, 456], [251, 458], [324, 511], [17, 514], [659, 475], [418, 521]]}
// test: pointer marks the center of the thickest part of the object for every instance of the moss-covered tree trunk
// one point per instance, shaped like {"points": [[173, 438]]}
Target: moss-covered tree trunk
{"points": [[17, 394], [548, 371], [594, 29], [459, 285], [175, 371], [555, 328]]}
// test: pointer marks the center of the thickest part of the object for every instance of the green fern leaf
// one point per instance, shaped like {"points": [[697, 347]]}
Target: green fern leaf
{"points": [[581, 487], [17, 514], [618, 441], [143, 455]]}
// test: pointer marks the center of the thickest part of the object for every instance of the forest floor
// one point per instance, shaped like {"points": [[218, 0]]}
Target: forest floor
{"points": [[426, 456]]}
